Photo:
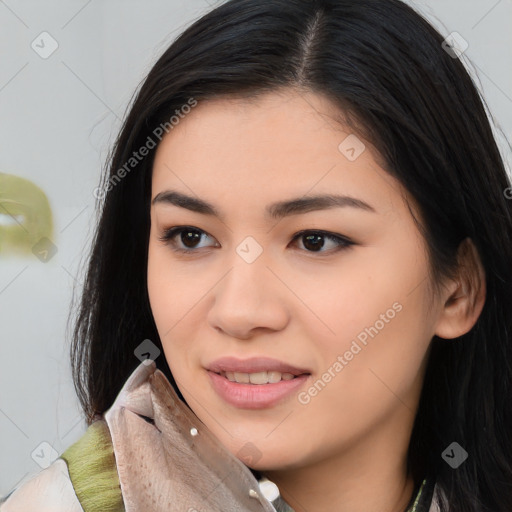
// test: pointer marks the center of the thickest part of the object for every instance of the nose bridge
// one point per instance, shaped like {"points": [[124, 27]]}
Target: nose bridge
{"points": [[248, 279], [248, 296]]}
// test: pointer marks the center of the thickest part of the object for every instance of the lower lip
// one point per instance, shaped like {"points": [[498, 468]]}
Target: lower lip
{"points": [[255, 396]]}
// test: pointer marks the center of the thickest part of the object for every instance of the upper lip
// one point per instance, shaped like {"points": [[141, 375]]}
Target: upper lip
{"points": [[253, 365]]}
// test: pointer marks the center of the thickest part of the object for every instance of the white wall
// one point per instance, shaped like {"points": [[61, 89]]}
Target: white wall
{"points": [[57, 118]]}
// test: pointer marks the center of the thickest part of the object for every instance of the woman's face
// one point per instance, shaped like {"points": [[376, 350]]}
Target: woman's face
{"points": [[300, 264]]}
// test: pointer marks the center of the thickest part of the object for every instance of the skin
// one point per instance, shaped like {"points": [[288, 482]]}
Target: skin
{"points": [[345, 449]]}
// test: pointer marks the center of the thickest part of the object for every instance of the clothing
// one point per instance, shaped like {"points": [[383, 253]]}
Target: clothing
{"points": [[149, 452]]}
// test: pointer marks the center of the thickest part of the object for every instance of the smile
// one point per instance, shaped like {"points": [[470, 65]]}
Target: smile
{"points": [[270, 377]]}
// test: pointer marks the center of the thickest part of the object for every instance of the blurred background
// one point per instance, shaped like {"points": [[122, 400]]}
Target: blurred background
{"points": [[68, 70]]}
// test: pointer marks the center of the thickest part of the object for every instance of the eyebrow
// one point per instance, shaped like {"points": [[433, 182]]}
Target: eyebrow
{"points": [[277, 210]]}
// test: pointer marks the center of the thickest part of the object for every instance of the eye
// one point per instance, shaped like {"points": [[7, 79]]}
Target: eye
{"points": [[186, 238], [315, 241], [189, 237]]}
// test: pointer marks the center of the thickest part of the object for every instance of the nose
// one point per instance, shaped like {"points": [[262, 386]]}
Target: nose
{"points": [[249, 299]]}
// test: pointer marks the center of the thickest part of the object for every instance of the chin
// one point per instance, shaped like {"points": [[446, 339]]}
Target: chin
{"points": [[268, 457]]}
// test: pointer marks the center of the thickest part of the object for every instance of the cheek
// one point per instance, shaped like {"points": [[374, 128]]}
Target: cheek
{"points": [[370, 289], [173, 289], [159, 289], [178, 298]]}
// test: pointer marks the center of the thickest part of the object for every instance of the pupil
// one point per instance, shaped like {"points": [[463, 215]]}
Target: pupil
{"points": [[195, 237], [313, 241]]}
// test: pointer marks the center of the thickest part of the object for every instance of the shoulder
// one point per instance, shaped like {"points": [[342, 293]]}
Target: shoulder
{"points": [[84, 477], [49, 490]]}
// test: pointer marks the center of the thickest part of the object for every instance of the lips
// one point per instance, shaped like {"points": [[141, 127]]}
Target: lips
{"points": [[255, 383]]}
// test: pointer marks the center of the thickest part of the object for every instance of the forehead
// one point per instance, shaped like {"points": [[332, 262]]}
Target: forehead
{"points": [[266, 148]]}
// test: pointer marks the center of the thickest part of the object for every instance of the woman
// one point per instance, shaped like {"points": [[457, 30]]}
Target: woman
{"points": [[305, 228]]}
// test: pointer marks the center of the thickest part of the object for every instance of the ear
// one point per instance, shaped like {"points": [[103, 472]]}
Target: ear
{"points": [[464, 296]]}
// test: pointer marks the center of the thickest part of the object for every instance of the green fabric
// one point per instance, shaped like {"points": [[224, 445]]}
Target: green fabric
{"points": [[92, 469]]}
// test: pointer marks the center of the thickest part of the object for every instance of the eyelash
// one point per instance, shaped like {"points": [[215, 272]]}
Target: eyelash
{"points": [[170, 233]]}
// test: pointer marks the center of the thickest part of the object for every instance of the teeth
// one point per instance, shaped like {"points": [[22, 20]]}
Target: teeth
{"points": [[242, 377], [274, 377], [257, 378]]}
